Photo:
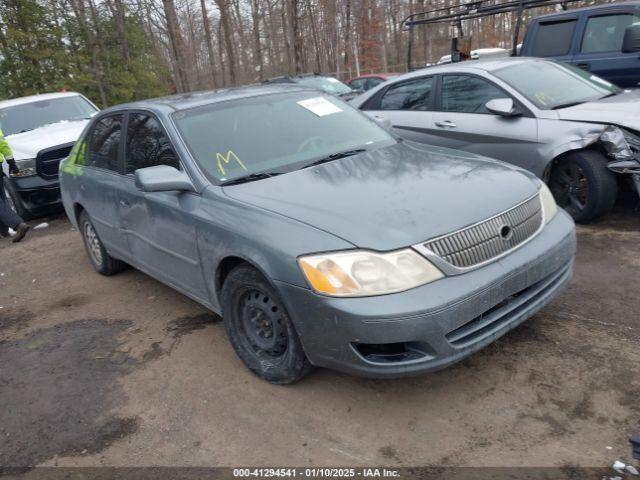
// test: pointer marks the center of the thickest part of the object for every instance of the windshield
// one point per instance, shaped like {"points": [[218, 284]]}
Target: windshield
{"points": [[552, 85], [274, 133], [326, 84], [32, 115]]}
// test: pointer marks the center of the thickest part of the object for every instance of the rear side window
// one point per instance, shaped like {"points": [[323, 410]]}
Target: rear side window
{"points": [[466, 94], [411, 95], [147, 145], [104, 143], [553, 38], [605, 33]]}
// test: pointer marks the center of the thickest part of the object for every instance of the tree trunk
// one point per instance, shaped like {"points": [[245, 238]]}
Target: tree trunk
{"points": [[177, 45], [209, 40], [257, 48], [225, 23]]}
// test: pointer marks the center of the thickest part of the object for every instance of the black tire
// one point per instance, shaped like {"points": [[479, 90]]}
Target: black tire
{"points": [[583, 186], [260, 329], [104, 263], [15, 203]]}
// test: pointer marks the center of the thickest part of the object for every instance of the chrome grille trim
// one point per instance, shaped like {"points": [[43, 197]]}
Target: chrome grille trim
{"points": [[481, 243]]}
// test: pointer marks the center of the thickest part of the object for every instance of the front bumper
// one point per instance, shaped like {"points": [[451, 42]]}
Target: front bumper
{"points": [[37, 195], [430, 327]]}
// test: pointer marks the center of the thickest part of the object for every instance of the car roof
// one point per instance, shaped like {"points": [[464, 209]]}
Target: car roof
{"points": [[603, 6], [184, 101], [487, 65], [376, 75], [35, 98]]}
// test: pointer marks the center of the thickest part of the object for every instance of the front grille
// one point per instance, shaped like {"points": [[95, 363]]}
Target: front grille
{"points": [[489, 239], [48, 160], [506, 311]]}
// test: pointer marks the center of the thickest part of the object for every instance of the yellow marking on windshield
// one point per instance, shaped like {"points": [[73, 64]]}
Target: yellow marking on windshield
{"points": [[225, 159]]}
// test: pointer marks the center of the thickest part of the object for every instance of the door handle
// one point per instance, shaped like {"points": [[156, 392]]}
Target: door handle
{"points": [[583, 66], [124, 203], [82, 187], [445, 124]]}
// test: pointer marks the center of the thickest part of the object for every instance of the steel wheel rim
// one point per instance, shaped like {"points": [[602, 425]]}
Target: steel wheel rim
{"points": [[261, 322], [93, 244], [9, 200], [571, 188]]}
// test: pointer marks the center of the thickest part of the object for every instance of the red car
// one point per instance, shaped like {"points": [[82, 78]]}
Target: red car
{"points": [[366, 82]]}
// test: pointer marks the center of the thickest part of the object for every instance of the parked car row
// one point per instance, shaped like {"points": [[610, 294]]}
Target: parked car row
{"points": [[392, 235]]}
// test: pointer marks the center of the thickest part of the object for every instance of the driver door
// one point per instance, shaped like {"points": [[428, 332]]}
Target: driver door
{"points": [[160, 226], [461, 121]]}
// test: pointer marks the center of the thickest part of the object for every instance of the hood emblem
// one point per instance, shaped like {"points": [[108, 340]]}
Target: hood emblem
{"points": [[506, 232]]}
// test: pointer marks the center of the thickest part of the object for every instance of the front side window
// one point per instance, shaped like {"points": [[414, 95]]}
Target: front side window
{"points": [[29, 116], [276, 133], [553, 39], [467, 94], [147, 145], [411, 95], [104, 143], [605, 33], [373, 82], [552, 85], [357, 84]]}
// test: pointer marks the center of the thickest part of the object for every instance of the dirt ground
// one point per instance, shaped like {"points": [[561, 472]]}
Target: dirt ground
{"points": [[125, 371]]}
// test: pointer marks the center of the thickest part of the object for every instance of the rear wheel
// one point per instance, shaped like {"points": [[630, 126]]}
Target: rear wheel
{"points": [[100, 259], [260, 329], [583, 186]]}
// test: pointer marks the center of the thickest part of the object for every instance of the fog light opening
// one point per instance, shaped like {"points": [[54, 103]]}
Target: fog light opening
{"points": [[392, 352]]}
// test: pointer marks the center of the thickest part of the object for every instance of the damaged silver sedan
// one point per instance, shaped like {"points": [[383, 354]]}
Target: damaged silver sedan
{"points": [[578, 132]]}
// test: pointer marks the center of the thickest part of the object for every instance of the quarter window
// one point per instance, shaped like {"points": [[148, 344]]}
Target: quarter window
{"points": [[411, 95], [466, 94], [147, 145], [605, 33], [553, 38], [104, 143]]}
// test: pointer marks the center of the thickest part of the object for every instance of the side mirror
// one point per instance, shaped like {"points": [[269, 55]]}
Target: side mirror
{"points": [[163, 178], [631, 40], [383, 122], [503, 107]]}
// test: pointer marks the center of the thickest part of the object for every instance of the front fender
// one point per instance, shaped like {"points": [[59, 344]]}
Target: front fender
{"points": [[560, 137]]}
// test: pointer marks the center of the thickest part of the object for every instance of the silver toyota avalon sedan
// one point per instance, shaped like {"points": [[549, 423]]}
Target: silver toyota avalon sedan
{"points": [[576, 131], [321, 238]]}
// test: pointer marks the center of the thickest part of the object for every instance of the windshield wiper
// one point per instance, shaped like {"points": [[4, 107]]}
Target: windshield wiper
{"points": [[250, 178], [335, 156], [567, 105]]}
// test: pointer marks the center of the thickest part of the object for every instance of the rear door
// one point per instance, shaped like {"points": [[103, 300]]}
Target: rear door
{"points": [[100, 179], [159, 226], [407, 105], [461, 121], [600, 47]]}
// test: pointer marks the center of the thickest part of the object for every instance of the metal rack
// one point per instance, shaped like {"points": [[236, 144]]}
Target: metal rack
{"points": [[456, 14]]}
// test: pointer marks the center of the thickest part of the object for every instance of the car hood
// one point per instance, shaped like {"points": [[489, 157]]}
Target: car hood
{"points": [[28, 144], [622, 110], [393, 197]]}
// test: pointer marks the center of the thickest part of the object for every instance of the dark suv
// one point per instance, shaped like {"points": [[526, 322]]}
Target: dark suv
{"points": [[604, 40]]}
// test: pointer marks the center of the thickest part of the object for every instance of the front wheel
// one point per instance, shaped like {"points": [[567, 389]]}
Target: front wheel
{"points": [[583, 186], [260, 329], [14, 202]]}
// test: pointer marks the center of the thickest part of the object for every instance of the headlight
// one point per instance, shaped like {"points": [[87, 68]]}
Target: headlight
{"points": [[615, 143], [549, 206], [27, 167], [360, 273]]}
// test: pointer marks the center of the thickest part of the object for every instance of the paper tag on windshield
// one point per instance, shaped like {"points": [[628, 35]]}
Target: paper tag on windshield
{"points": [[320, 106]]}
